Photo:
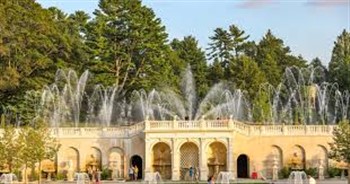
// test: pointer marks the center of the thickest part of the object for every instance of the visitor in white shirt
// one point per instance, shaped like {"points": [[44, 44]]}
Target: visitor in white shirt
{"points": [[311, 180]]}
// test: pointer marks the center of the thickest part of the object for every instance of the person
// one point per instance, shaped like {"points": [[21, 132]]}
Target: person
{"points": [[98, 176], [311, 180], [196, 174], [211, 180], [191, 173], [136, 172], [131, 173]]}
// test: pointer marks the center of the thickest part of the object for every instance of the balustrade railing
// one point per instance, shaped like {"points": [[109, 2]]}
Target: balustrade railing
{"points": [[197, 125], [240, 127]]}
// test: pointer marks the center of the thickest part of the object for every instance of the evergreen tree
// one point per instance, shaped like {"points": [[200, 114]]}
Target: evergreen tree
{"points": [[320, 72], [246, 75], [273, 57], [340, 147], [339, 67], [128, 46], [190, 53], [216, 72], [225, 45]]}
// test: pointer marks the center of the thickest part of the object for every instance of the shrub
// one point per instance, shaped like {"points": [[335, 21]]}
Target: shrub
{"points": [[60, 176], [106, 173], [333, 172], [312, 171], [284, 172]]}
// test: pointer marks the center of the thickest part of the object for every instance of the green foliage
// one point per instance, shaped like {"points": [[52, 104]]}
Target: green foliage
{"points": [[128, 46], [189, 53], [246, 75], [262, 107], [273, 57], [340, 147], [312, 171], [284, 172], [333, 172], [10, 149], [339, 67], [225, 46], [60, 176], [34, 43], [106, 173]]}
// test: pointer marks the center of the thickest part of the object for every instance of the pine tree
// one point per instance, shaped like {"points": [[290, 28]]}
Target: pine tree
{"points": [[128, 46], [339, 67], [273, 57], [191, 54]]}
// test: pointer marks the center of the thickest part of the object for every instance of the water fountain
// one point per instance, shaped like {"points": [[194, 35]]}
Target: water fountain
{"points": [[82, 178], [8, 178], [298, 177], [224, 177], [301, 98], [153, 178]]}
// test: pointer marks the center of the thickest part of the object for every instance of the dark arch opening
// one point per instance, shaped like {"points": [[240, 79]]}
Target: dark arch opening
{"points": [[137, 161], [243, 166]]}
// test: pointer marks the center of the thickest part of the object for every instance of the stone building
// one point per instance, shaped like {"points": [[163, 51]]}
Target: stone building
{"points": [[208, 146]]}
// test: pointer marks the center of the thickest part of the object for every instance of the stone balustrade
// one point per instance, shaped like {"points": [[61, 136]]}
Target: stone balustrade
{"points": [[197, 125], [98, 132], [243, 128]]}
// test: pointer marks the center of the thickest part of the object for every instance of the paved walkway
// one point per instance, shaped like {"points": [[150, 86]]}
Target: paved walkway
{"points": [[238, 181]]}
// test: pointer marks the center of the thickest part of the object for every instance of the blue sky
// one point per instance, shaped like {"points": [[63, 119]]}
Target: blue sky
{"points": [[309, 27]]}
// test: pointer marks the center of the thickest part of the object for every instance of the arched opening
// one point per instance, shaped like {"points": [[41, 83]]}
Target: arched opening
{"points": [[162, 160], [116, 162], [93, 160], [136, 161], [189, 157], [72, 159], [217, 158], [277, 156], [297, 158], [243, 166], [322, 157]]}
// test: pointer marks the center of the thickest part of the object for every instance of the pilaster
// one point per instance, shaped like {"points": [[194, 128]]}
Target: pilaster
{"points": [[175, 160], [203, 167]]}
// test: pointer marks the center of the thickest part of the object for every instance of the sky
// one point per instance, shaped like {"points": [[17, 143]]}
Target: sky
{"points": [[308, 27]]}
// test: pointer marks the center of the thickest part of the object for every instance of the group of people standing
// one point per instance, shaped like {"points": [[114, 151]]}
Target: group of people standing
{"points": [[133, 172]]}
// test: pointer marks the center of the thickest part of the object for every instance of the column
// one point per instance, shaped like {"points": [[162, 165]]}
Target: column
{"points": [[148, 156], [230, 164], [175, 160], [203, 167]]}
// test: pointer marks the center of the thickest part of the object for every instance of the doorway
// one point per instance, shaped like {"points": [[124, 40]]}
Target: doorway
{"points": [[137, 161], [242, 166]]}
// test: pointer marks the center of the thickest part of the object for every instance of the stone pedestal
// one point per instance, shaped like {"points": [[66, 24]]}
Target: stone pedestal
{"points": [[320, 172], [203, 174]]}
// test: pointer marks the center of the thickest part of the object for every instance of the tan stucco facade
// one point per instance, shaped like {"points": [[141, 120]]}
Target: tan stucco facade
{"points": [[173, 147]]}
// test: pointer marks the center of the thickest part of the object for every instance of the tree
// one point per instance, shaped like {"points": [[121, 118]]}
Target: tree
{"points": [[246, 75], [128, 46], [10, 149], [339, 67], [216, 72], [273, 57], [191, 54], [33, 46], [226, 44], [340, 147], [37, 145], [320, 72]]}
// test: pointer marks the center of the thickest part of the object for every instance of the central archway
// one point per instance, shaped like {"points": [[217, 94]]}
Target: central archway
{"points": [[162, 160], [189, 157], [243, 166]]}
